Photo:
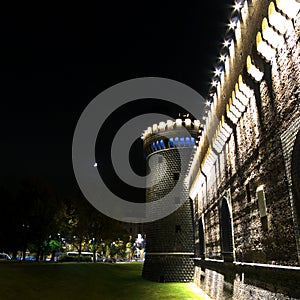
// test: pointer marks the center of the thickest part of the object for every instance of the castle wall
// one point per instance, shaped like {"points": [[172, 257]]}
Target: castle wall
{"points": [[250, 169]]}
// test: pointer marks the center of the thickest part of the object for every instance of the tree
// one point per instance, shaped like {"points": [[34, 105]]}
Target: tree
{"points": [[41, 212]]}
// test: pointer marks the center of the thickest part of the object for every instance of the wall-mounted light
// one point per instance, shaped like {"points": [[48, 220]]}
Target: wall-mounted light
{"points": [[232, 24], [253, 71], [214, 83], [218, 72], [227, 43], [237, 6], [222, 57]]}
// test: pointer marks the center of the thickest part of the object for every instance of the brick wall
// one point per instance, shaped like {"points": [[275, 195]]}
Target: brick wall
{"points": [[170, 241], [258, 178]]}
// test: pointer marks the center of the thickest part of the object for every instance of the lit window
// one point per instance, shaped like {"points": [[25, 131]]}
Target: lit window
{"points": [[176, 140], [187, 141], [182, 141], [157, 145]]}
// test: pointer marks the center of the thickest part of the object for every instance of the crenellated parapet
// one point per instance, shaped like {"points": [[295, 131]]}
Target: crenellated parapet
{"points": [[182, 132], [258, 33]]}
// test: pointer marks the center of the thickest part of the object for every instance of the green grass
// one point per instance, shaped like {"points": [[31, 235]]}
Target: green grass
{"points": [[66, 281]]}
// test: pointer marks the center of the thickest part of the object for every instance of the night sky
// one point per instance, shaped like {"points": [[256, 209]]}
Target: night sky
{"points": [[55, 60]]}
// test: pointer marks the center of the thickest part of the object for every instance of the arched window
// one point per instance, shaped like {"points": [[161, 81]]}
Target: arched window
{"points": [[162, 144], [193, 141], [176, 140], [226, 231], [182, 141], [157, 145], [171, 142], [187, 141], [153, 146]]}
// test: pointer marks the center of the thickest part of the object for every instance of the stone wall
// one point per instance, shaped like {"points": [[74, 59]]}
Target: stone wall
{"points": [[170, 241], [253, 170]]}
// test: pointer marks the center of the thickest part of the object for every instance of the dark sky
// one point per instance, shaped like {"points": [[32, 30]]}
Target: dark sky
{"points": [[55, 60]]}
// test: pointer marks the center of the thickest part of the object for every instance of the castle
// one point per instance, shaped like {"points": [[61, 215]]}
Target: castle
{"points": [[236, 232]]}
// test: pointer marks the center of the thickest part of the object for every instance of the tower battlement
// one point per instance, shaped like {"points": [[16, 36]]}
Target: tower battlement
{"points": [[183, 132]]}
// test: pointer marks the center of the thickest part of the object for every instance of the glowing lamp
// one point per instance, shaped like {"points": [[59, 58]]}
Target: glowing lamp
{"points": [[237, 6], [222, 57], [227, 43], [214, 83]]}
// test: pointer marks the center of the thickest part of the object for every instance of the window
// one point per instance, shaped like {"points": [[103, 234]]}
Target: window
{"points": [[226, 231], [182, 141], [260, 194], [157, 145], [262, 207], [176, 141], [187, 141]]}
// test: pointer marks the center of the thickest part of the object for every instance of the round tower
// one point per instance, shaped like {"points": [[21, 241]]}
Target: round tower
{"points": [[170, 240]]}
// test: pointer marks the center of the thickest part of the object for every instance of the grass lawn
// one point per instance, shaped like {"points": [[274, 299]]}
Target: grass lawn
{"points": [[103, 281]]}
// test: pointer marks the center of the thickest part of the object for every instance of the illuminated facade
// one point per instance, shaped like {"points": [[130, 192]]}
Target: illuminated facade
{"points": [[244, 180], [170, 241]]}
